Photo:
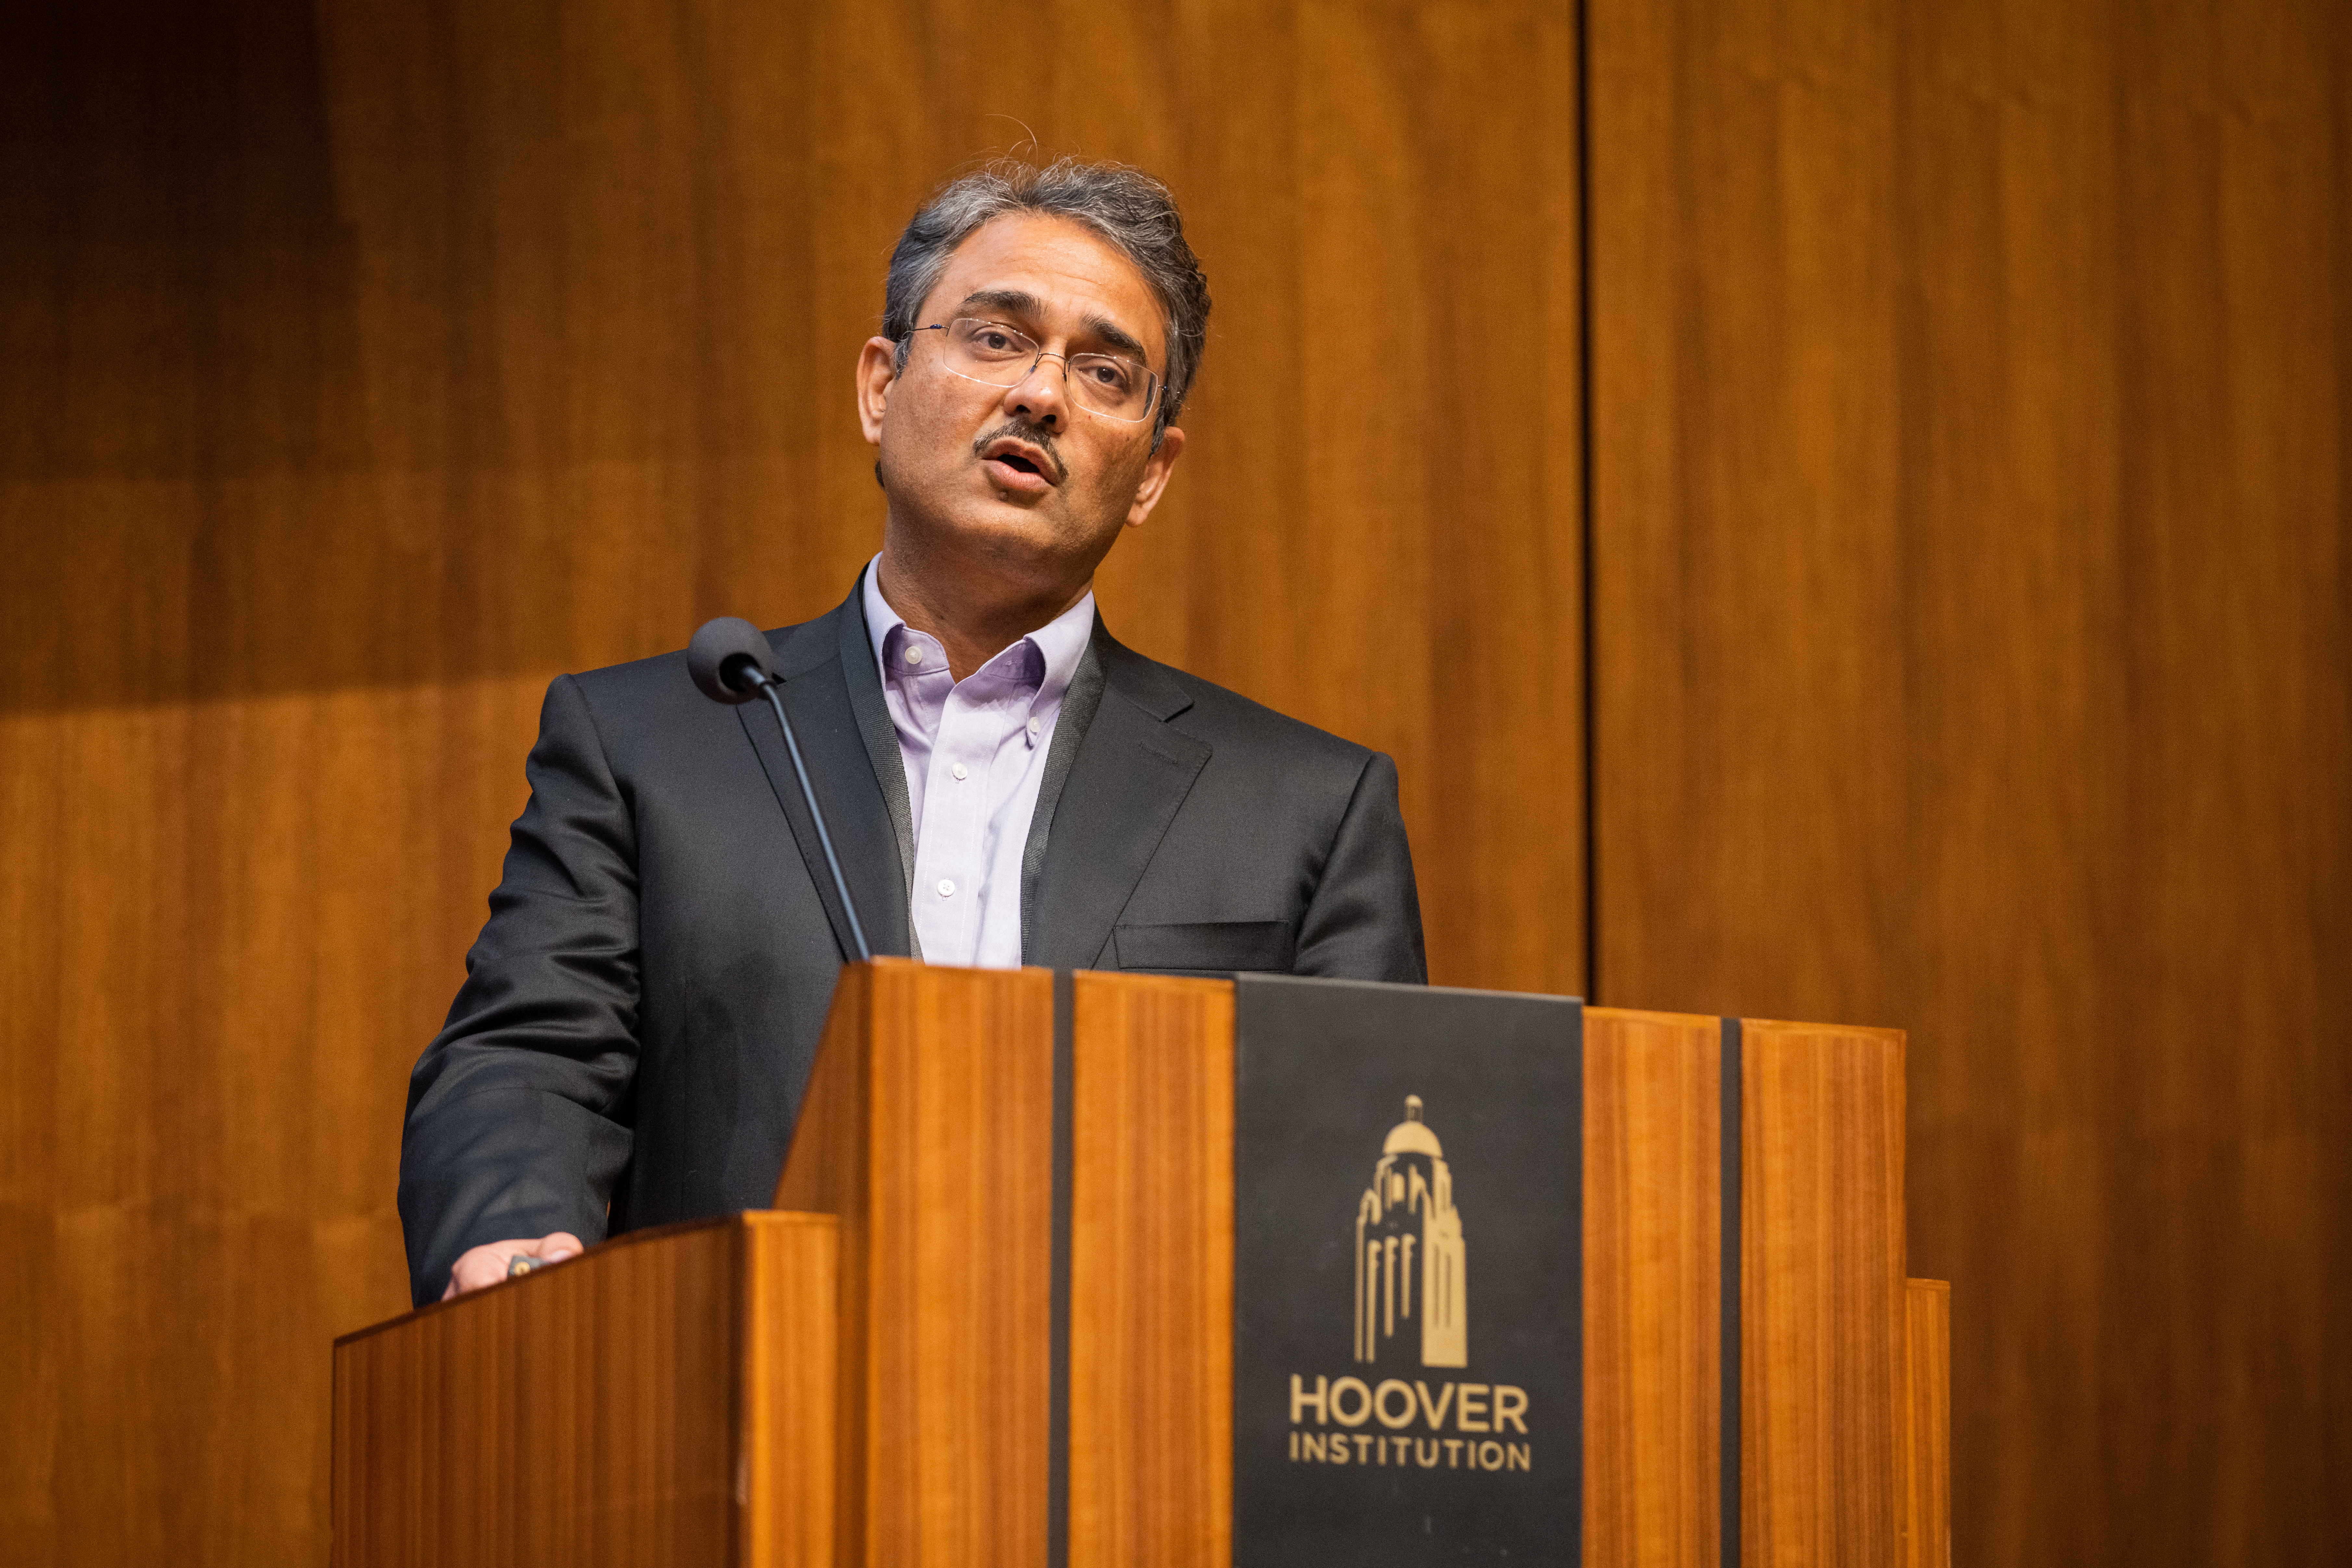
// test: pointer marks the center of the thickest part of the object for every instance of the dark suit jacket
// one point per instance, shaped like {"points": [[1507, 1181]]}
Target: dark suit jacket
{"points": [[642, 1009]]}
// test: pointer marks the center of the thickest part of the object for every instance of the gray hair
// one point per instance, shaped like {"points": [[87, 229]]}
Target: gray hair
{"points": [[1125, 206]]}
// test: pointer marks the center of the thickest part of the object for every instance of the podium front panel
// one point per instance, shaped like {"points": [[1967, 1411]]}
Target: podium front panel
{"points": [[1002, 1326]]}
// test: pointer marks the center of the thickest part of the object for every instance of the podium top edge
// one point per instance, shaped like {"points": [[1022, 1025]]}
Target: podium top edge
{"points": [[1032, 974], [740, 1218]]}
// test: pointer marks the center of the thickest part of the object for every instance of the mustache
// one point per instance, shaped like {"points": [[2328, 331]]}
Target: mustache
{"points": [[1038, 435]]}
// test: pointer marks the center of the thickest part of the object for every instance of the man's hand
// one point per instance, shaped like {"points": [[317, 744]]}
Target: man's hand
{"points": [[487, 1264]]}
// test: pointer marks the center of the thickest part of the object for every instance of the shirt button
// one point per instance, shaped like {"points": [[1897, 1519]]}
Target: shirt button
{"points": [[946, 888], [1033, 728], [960, 771], [914, 654]]}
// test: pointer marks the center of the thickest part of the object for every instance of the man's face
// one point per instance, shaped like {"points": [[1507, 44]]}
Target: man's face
{"points": [[1021, 477]]}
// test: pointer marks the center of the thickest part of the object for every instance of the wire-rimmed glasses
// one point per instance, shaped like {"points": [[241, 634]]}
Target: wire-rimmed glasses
{"points": [[994, 354]]}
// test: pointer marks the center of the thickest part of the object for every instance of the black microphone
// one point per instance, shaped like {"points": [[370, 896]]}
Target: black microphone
{"points": [[729, 661]]}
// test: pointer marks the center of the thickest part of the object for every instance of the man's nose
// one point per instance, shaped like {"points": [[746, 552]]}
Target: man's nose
{"points": [[1043, 397]]}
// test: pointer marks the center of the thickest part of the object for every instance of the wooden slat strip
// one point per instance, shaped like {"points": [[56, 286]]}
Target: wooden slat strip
{"points": [[788, 1329], [1652, 1227], [1151, 1274], [1823, 1295], [927, 1127], [1927, 1425]]}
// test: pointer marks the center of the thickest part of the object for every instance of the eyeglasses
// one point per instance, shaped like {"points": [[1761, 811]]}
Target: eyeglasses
{"points": [[994, 354]]}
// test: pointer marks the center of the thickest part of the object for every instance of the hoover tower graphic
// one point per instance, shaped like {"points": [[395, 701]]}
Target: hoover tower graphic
{"points": [[1411, 1279]]}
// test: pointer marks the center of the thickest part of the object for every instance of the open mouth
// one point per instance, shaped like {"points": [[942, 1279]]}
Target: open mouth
{"points": [[1020, 464]]}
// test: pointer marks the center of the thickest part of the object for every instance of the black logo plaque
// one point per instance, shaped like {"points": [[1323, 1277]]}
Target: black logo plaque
{"points": [[1408, 1324]]}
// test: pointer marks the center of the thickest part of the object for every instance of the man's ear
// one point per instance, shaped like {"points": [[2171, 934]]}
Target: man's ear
{"points": [[1156, 469], [877, 367]]}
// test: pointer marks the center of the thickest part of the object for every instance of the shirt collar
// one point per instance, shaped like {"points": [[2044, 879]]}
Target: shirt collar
{"points": [[1062, 641]]}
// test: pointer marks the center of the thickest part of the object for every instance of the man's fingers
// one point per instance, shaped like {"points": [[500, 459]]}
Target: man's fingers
{"points": [[482, 1266], [491, 1262], [557, 1245]]}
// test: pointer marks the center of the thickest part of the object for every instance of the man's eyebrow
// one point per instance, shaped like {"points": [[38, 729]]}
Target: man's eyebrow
{"points": [[1117, 337], [1012, 301], [1021, 302]]}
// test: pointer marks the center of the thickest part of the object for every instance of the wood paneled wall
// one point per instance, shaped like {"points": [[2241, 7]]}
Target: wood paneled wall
{"points": [[1971, 610], [372, 344], [1970, 396], [365, 364]]}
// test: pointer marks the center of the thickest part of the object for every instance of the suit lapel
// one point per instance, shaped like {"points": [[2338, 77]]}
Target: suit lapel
{"points": [[1130, 774], [855, 641], [1078, 706], [825, 721]]}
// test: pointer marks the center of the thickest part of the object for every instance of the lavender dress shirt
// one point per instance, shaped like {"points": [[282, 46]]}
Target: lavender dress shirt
{"points": [[974, 752]]}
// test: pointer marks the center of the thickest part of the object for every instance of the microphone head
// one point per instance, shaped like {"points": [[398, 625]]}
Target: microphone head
{"points": [[729, 660]]}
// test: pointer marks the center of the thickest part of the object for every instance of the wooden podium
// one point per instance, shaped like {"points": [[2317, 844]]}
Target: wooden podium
{"points": [[934, 1352]]}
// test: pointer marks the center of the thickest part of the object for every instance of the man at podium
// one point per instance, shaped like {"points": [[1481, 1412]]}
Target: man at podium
{"points": [[1003, 782]]}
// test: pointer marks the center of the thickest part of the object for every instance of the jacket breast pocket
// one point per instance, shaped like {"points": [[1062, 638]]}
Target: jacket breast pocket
{"points": [[1206, 947]]}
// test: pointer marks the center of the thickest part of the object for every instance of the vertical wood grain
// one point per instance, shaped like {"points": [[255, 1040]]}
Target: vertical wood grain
{"points": [[1927, 1423], [1971, 596], [1823, 1299], [960, 1262], [788, 1325], [829, 1170], [929, 1130], [227, 926], [1151, 1273], [1653, 1237], [584, 1415], [667, 1399]]}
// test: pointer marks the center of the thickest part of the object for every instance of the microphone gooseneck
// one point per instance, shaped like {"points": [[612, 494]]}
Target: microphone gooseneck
{"points": [[729, 661]]}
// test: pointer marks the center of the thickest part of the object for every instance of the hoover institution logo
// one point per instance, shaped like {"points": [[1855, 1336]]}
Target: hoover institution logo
{"points": [[1409, 1255], [1412, 1308], [1394, 1408]]}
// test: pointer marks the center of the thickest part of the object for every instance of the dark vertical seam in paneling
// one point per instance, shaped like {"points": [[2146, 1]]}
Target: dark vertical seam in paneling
{"points": [[1727, 1353], [1584, 489], [740, 1396], [1578, 1446], [1057, 1429]]}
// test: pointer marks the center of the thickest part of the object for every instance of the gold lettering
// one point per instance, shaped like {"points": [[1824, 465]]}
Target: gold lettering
{"points": [[1363, 1396], [1490, 1455], [1510, 1404], [1424, 1452], [1339, 1455], [1434, 1413], [1451, 1456], [1515, 1457], [1310, 1445], [1470, 1408], [1380, 1404], [1300, 1399], [1363, 1446], [1294, 1444]]}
